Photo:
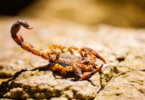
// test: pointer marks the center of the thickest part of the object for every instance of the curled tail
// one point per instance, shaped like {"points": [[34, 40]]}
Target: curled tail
{"points": [[20, 41]]}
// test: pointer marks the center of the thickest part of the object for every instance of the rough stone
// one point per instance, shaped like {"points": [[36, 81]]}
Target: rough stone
{"points": [[42, 84], [127, 86], [26, 76]]}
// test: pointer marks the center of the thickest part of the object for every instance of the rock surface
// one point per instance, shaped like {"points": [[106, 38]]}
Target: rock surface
{"points": [[42, 84], [126, 86], [24, 75]]}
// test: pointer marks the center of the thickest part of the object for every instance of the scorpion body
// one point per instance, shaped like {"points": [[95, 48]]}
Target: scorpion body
{"points": [[82, 65]]}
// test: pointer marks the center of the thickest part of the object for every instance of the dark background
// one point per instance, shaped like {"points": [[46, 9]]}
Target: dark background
{"points": [[13, 7], [121, 13]]}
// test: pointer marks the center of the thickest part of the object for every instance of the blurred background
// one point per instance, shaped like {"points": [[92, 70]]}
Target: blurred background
{"points": [[124, 13], [99, 24]]}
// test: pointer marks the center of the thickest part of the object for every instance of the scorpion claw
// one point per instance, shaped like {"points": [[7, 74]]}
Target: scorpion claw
{"points": [[87, 75], [93, 52], [101, 58]]}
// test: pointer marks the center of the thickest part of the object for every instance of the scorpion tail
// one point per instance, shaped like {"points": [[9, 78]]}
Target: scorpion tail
{"points": [[20, 41]]}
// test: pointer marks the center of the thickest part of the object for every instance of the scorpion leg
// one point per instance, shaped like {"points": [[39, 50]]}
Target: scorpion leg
{"points": [[87, 75], [69, 69], [59, 68], [57, 56], [55, 68], [53, 47], [77, 70], [53, 51], [20, 41], [69, 49], [74, 48], [86, 67], [92, 53]]}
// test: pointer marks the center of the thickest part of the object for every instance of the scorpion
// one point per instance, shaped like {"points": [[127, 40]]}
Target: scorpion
{"points": [[61, 61]]}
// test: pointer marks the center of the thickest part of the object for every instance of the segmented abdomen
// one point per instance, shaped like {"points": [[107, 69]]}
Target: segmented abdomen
{"points": [[66, 59]]}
